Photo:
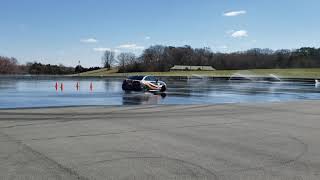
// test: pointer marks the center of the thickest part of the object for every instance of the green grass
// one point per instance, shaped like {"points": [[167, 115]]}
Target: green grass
{"points": [[100, 72], [293, 73]]}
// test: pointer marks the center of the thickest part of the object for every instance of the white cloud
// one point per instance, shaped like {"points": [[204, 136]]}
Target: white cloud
{"points": [[229, 32], [89, 40], [223, 47], [147, 38], [101, 49], [116, 51], [239, 34], [234, 13], [130, 47]]}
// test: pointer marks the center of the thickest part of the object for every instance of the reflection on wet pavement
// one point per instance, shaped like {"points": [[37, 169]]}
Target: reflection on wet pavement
{"points": [[68, 92]]}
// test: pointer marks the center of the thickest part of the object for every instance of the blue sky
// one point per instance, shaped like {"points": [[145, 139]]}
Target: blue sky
{"points": [[59, 31]]}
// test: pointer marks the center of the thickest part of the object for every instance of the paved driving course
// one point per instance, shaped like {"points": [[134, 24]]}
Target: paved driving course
{"points": [[228, 142]]}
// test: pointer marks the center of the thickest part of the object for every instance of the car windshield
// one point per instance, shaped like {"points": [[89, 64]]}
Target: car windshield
{"points": [[150, 78], [136, 77]]}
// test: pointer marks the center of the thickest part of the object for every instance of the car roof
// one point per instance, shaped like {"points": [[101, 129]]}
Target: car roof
{"points": [[136, 77]]}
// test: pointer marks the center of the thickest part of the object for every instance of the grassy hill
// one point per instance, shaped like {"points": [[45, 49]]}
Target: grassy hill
{"points": [[100, 72], [296, 73]]}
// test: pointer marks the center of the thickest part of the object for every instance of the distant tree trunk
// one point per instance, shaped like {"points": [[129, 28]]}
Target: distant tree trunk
{"points": [[108, 59], [125, 60]]}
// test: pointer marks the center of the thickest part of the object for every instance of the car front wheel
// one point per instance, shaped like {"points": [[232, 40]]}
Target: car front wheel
{"points": [[163, 88]]}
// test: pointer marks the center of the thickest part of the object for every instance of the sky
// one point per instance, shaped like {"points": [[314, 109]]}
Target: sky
{"points": [[66, 32]]}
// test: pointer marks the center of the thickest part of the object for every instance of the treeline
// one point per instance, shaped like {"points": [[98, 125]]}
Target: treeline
{"points": [[9, 65], [80, 69], [38, 68], [162, 58]]}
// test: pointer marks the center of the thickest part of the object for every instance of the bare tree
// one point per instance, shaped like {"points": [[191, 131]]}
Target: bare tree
{"points": [[122, 61], [108, 59], [153, 57], [8, 65], [125, 59]]}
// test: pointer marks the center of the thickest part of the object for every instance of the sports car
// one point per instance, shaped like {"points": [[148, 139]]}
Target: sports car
{"points": [[143, 83]]}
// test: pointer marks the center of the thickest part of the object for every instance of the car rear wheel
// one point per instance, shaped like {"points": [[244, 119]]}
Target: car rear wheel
{"points": [[136, 86], [124, 86]]}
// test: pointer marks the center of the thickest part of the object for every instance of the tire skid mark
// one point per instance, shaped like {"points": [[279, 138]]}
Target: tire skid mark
{"points": [[271, 120], [125, 115], [281, 163], [271, 109], [141, 156], [30, 124], [77, 111], [127, 111], [132, 131], [153, 107], [86, 135], [42, 156]]}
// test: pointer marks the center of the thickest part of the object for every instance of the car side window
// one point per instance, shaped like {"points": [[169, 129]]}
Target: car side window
{"points": [[151, 78]]}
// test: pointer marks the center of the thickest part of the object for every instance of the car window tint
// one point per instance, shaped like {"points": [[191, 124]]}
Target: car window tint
{"points": [[153, 78], [150, 78]]}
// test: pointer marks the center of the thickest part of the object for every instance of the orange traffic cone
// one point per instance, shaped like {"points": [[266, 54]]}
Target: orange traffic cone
{"points": [[91, 86], [56, 86], [61, 87], [78, 86]]}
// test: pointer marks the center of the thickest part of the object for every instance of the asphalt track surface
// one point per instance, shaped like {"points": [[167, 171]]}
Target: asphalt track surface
{"points": [[227, 142]]}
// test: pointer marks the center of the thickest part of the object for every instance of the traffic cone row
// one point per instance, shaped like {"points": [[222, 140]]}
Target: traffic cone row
{"points": [[77, 86]]}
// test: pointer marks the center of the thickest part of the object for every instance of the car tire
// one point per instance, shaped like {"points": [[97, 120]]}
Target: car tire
{"points": [[163, 89], [125, 86], [136, 86]]}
